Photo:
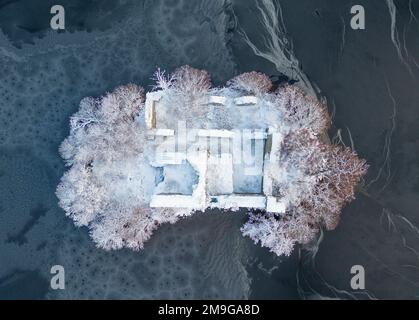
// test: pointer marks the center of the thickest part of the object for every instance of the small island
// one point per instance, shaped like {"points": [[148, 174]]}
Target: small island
{"points": [[137, 160]]}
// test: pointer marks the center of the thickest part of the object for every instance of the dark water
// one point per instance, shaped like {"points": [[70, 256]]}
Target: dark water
{"points": [[371, 89]]}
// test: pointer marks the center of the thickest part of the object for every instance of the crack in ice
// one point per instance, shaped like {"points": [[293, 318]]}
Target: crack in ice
{"points": [[279, 50], [386, 166], [394, 34]]}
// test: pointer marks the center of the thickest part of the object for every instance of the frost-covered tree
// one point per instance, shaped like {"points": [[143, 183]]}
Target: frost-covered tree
{"points": [[107, 187], [302, 111], [316, 179], [186, 81], [279, 234], [191, 82], [251, 82]]}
